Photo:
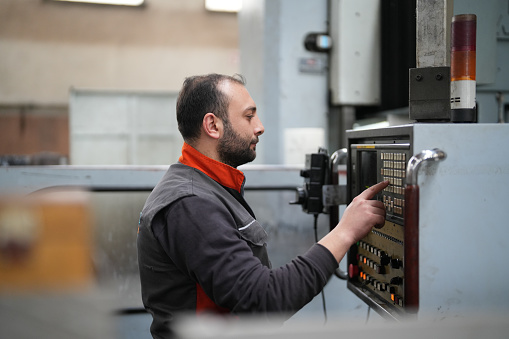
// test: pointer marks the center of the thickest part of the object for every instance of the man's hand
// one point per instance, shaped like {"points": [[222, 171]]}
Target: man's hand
{"points": [[361, 215]]}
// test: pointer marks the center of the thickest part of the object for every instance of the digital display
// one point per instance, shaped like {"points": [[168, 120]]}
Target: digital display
{"points": [[368, 169]]}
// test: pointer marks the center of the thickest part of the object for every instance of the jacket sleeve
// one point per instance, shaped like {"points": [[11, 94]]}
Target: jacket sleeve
{"points": [[201, 239]]}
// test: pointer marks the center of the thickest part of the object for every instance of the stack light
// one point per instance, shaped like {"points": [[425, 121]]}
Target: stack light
{"points": [[463, 71]]}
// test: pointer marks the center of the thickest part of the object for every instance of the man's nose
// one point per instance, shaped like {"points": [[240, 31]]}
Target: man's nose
{"points": [[259, 128]]}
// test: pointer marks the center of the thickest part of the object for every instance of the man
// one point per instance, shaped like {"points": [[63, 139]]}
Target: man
{"points": [[200, 247]]}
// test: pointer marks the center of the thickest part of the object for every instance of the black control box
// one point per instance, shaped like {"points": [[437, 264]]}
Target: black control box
{"points": [[316, 175]]}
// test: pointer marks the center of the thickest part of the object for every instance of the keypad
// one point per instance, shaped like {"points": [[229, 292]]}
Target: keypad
{"points": [[394, 170]]}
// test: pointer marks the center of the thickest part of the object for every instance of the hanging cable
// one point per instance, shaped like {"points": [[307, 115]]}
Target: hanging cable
{"points": [[367, 315]]}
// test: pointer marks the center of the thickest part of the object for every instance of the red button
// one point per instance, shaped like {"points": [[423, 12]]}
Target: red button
{"points": [[353, 271]]}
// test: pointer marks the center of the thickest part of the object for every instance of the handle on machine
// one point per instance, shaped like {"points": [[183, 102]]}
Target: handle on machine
{"points": [[411, 216]]}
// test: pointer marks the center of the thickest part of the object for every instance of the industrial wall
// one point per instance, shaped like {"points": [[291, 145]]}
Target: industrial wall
{"points": [[47, 48]]}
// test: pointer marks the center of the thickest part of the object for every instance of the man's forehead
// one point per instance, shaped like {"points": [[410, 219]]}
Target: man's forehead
{"points": [[226, 86], [237, 93]]}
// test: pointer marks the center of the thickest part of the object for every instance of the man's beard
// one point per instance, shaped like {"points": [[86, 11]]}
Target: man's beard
{"points": [[233, 150]]}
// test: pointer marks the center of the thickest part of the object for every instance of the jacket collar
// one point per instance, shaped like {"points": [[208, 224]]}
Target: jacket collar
{"points": [[222, 173]]}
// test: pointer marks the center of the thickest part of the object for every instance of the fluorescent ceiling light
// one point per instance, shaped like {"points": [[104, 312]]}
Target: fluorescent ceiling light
{"points": [[110, 2], [223, 5]]}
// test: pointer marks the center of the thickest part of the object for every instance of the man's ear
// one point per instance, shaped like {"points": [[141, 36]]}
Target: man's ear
{"points": [[212, 125]]}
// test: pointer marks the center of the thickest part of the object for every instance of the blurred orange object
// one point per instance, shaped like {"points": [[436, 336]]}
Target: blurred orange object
{"points": [[46, 242]]}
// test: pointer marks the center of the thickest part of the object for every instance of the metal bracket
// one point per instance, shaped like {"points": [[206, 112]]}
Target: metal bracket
{"points": [[334, 195], [429, 97]]}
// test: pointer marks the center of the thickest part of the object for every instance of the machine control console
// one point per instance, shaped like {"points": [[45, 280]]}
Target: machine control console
{"points": [[376, 263]]}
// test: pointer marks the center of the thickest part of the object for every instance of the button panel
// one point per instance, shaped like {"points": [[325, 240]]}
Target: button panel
{"points": [[380, 271], [394, 169], [379, 257]]}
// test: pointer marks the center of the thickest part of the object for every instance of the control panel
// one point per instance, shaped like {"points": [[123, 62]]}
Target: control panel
{"points": [[376, 264]]}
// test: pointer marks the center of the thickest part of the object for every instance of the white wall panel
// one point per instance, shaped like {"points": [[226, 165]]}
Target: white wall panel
{"points": [[123, 128]]}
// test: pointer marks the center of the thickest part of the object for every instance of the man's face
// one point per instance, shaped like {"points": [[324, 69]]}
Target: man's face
{"points": [[237, 145]]}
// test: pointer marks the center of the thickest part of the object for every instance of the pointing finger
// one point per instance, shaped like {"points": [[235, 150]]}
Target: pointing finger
{"points": [[370, 192]]}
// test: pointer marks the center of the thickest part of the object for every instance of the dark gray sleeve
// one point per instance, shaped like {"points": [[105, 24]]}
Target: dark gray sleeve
{"points": [[202, 240]]}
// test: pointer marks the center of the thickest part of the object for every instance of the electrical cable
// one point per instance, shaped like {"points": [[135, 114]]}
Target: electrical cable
{"points": [[315, 227]]}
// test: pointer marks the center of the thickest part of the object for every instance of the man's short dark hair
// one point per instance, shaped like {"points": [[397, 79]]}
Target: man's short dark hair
{"points": [[200, 95]]}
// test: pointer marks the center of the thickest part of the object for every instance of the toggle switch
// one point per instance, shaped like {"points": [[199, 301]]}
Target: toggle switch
{"points": [[397, 281], [384, 259], [396, 263]]}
